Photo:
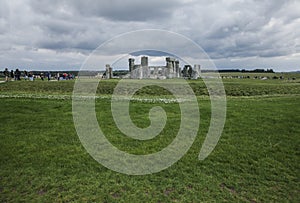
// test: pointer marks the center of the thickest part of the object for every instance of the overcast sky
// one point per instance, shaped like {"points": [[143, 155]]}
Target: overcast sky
{"points": [[60, 34]]}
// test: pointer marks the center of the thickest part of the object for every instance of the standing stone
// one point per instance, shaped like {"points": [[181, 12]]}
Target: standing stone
{"points": [[131, 67], [144, 61], [177, 69], [197, 71], [108, 71], [139, 71], [145, 67], [131, 64], [169, 66]]}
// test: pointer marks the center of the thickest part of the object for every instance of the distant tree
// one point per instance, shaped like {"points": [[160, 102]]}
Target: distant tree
{"points": [[259, 70]]}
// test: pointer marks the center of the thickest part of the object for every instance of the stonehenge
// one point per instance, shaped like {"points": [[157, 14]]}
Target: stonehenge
{"points": [[172, 69]]}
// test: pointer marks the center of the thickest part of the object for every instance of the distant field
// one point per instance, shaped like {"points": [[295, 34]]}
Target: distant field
{"points": [[285, 75], [256, 160], [233, 87]]}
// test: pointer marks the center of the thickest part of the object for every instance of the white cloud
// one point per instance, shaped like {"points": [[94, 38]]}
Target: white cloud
{"points": [[234, 33]]}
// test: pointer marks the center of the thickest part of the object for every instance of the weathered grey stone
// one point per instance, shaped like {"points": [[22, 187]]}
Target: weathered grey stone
{"points": [[170, 70], [196, 71], [144, 61], [108, 71]]}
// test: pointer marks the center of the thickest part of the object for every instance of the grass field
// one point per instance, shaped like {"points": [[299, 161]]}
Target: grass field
{"points": [[256, 160]]}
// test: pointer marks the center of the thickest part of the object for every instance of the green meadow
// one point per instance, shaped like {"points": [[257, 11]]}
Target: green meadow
{"points": [[257, 158]]}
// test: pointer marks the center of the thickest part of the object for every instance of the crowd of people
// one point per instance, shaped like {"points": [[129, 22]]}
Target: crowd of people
{"points": [[17, 75]]}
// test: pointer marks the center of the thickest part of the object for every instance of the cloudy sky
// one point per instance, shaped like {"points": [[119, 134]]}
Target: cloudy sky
{"points": [[60, 34]]}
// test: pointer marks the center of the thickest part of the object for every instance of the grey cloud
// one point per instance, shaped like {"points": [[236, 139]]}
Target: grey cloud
{"points": [[4, 9], [130, 10], [53, 45], [59, 27], [229, 31], [254, 28], [225, 29]]}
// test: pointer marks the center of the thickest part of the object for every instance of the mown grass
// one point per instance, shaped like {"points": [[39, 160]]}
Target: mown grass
{"points": [[233, 87], [256, 159]]}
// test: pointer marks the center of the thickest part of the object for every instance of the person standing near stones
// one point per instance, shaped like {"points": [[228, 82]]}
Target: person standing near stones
{"points": [[30, 76], [42, 76], [12, 75], [25, 75], [17, 74], [6, 74], [49, 75]]}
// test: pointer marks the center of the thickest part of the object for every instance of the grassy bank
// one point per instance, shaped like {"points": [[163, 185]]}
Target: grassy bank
{"points": [[256, 159], [233, 87]]}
